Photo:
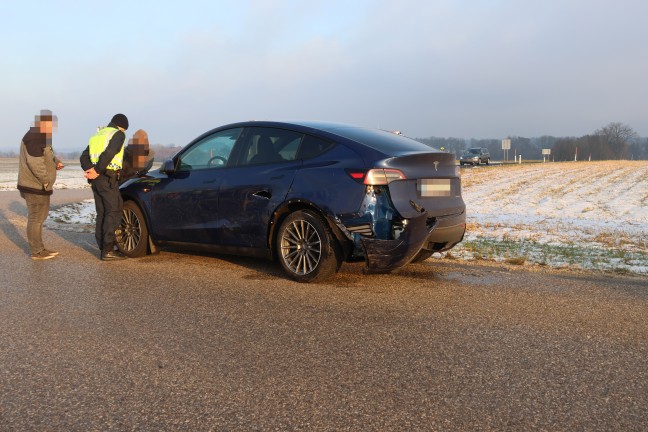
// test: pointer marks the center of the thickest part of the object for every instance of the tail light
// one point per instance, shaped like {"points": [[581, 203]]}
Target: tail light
{"points": [[376, 176], [382, 176]]}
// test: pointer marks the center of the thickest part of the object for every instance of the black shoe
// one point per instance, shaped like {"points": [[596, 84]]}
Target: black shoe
{"points": [[112, 255]]}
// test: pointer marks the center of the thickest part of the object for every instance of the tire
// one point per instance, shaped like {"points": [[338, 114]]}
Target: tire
{"points": [[132, 233], [422, 256], [306, 247], [487, 161]]}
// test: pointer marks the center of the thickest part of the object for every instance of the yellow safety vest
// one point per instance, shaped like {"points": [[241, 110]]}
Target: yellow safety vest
{"points": [[99, 142]]}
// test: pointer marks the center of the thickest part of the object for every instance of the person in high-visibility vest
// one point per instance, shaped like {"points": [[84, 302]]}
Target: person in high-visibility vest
{"points": [[102, 162]]}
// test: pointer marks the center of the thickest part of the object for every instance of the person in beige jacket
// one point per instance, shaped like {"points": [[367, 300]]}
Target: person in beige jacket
{"points": [[37, 168]]}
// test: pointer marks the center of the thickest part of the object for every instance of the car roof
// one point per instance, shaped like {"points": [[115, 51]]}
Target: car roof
{"points": [[385, 142]]}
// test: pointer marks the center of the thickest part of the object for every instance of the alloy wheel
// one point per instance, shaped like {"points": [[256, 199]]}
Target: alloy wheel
{"points": [[301, 247], [130, 230]]}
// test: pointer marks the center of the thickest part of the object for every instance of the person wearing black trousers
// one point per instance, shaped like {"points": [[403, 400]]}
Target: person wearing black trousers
{"points": [[102, 162]]}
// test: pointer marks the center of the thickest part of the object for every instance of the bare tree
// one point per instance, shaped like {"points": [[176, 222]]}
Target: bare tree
{"points": [[618, 137]]}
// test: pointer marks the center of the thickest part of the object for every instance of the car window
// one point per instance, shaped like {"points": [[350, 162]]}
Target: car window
{"points": [[269, 145], [289, 150], [313, 146], [383, 141], [212, 151]]}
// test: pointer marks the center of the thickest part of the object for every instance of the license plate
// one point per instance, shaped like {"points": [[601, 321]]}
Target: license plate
{"points": [[434, 187]]}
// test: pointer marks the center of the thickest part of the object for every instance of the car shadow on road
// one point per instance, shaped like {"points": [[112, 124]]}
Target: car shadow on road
{"points": [[349, 275], [261, 266]]}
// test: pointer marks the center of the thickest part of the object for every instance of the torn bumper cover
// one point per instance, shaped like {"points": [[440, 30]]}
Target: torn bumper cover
{"points": [[382, 256]]}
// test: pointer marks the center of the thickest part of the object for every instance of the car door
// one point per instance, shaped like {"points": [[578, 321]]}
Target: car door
{"points": [[184, 206], [259, 181]]}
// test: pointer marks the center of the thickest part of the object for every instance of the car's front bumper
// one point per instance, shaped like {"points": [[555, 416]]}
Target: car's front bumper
{"points": [[469, 161]]}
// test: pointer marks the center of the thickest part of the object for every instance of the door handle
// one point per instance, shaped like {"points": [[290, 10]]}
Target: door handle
{"points": [[263, 194]]}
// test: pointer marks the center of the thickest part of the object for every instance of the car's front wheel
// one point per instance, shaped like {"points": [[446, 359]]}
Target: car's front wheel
{"points": [[306, 247], [132, 233]]}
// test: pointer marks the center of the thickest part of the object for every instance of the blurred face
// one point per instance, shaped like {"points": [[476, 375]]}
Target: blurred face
{"points": [[46, 127], [140, 154], [140, 162]]}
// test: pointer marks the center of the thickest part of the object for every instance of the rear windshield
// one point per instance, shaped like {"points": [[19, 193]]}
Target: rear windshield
{"points": [[386, 142]]}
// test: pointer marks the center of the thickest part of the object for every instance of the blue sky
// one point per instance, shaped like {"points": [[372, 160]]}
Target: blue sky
{"points": [[483, 69]]}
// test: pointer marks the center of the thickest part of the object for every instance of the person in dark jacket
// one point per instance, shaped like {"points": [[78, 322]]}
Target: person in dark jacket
{"points": [[102, 162], [136, 157], [36, 176]]}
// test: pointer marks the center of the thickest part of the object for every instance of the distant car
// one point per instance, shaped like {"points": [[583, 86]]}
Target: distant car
{"points": [[311, 195], [475, 156]]}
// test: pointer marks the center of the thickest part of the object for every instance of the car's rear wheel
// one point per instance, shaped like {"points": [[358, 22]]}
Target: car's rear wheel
{"points": [[132, 233], [306, 247]]}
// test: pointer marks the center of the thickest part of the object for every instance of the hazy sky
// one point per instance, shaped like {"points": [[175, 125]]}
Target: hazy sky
{"points": [[454, 68]]}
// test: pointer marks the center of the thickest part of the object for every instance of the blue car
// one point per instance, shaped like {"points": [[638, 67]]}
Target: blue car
{"points": [[310, 195]]}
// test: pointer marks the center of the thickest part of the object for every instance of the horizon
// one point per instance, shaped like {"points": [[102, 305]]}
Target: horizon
{"points": [[467, 141], [57, 148]]}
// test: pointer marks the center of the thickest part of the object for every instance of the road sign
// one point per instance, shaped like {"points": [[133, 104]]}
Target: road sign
{"points": [[506, 146]]}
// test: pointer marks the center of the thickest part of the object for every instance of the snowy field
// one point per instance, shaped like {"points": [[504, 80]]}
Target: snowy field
{"points": [[70, 177], [586, 215], [577, 215]]}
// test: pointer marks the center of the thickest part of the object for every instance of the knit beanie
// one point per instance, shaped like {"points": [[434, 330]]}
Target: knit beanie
{"points": [[120, 120]]}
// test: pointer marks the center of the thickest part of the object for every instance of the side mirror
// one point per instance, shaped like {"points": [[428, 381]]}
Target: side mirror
{"points": [[168, 167]]}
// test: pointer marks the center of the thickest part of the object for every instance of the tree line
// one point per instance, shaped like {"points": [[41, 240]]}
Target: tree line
{"points": [[613, 141]]}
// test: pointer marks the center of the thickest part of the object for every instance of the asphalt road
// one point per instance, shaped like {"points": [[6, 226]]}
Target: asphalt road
{"points": [[196, 342]]}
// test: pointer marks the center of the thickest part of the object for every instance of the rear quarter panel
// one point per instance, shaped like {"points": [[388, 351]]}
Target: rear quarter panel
{"points": [[324, 181]]}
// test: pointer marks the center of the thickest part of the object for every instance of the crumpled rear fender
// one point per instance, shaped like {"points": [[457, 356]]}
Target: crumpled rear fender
{"points": [[382, 256]]}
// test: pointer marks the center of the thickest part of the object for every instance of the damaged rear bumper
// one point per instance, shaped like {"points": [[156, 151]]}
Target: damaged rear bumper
{"points": [[384, 255], [421, 232]]}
